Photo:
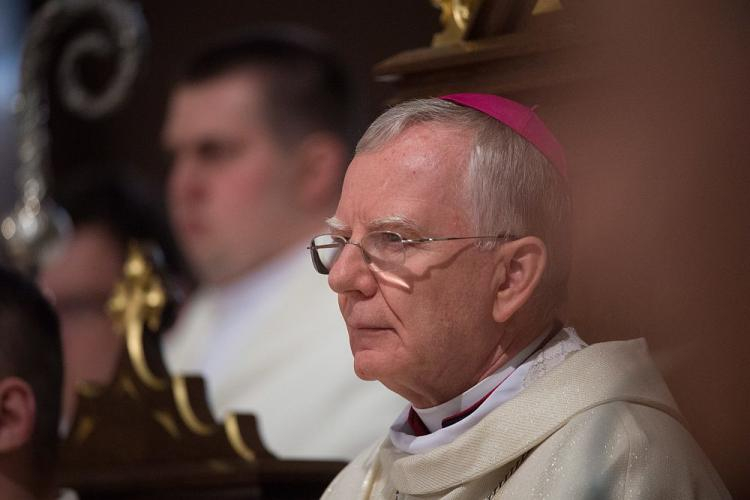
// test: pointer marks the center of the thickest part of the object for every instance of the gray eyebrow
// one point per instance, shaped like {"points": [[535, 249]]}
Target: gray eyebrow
{"points": [[336, 224], [398, 222]]}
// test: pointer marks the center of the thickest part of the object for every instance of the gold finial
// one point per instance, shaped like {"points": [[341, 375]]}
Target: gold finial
{"points": [[138, 300], [234, 434], [545, 6], [185, 409], [455, 17]]}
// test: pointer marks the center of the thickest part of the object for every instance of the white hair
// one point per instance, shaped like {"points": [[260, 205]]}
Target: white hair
{"points": [[510, 186]]}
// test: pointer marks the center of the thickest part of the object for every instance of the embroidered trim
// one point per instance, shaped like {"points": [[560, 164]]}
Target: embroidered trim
{"points": [[398, 496], [513, 469]]}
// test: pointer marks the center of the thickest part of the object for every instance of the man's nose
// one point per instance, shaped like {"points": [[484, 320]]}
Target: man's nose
{"points": [[185, 183], [351, 274]]}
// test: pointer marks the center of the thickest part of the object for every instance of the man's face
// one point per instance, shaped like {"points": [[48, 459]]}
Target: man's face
{"points": [[425, 330], [228, 188]]}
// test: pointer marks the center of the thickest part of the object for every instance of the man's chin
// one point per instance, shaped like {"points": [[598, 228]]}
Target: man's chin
{"points": [[367, 366], [213, 270]]}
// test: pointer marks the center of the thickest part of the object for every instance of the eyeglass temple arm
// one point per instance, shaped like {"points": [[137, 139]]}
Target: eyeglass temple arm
{"points": [[506, 236], [327, 245]]}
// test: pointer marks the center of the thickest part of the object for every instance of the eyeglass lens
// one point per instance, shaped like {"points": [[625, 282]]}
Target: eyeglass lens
{"points": [[381, 248], [325, 250]]}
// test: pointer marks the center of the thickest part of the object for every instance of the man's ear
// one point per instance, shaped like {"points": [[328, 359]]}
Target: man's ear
{"points": [[17, 414], [321, 167], [519, 272]]}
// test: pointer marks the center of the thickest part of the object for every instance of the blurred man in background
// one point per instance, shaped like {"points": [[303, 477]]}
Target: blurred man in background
{"points": [[258, 134], [108, 212], [30, 384]]}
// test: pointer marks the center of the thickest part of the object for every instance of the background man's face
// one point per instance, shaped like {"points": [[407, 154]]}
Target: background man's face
{"points": [[80, 281], [229, 186], [426, 329]]}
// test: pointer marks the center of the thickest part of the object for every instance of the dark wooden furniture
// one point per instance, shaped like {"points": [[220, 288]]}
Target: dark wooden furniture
{"points": [[150, 435]]}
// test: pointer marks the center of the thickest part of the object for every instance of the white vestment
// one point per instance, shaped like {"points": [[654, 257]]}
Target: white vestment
{"points": [[600, 425], [273, 344]]}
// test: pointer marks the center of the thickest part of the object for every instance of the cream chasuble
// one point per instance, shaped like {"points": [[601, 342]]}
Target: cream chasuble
{"points": [[600, 425]]}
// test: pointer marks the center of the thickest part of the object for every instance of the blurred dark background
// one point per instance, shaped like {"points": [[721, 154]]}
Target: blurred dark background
{"points": [[366, 32]]}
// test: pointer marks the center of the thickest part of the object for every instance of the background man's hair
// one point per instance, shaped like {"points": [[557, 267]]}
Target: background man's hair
{"points": [[308, 88], [510, 186], [30, 349]]}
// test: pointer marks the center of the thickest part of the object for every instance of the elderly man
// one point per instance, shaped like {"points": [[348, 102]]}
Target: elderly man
{"points": [[449, 256], [257, 130]]}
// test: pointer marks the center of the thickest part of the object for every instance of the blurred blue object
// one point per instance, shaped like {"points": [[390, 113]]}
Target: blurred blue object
{"points": [[13, 17]]}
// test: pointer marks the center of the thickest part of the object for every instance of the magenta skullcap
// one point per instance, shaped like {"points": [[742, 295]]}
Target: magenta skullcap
{"points": [[518, 117]]}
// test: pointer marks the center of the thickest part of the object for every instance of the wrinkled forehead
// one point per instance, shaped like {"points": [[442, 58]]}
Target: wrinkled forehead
{"points": [[423, 153], [419, 175]]}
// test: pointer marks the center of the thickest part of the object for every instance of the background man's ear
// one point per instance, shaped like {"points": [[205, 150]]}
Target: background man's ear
{"points": [[322, 158], [17, 413], [523, 263]]}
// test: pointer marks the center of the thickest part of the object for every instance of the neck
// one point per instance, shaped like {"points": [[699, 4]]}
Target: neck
{"points": [[22, 477], [511, 344], [286, 241], [15, 488]]}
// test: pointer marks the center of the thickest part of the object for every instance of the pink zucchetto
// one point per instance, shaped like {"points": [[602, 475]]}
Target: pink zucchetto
{"points": [[518, 117]]}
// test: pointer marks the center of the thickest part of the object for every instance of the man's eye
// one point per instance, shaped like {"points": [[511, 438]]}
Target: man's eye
{"points": [[340, 236], [389, 237], [385, 241], [214, 151]]}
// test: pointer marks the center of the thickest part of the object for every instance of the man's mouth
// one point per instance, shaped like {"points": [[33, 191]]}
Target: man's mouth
{"points": [[190, 227], [368, 327], [365, 328], [367, 336]]}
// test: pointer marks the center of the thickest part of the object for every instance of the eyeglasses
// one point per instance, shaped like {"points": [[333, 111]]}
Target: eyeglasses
{"points": [[383, 249]]}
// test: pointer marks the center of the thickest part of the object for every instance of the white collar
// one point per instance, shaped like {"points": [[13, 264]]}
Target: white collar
{"points": [[554, 352]]}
